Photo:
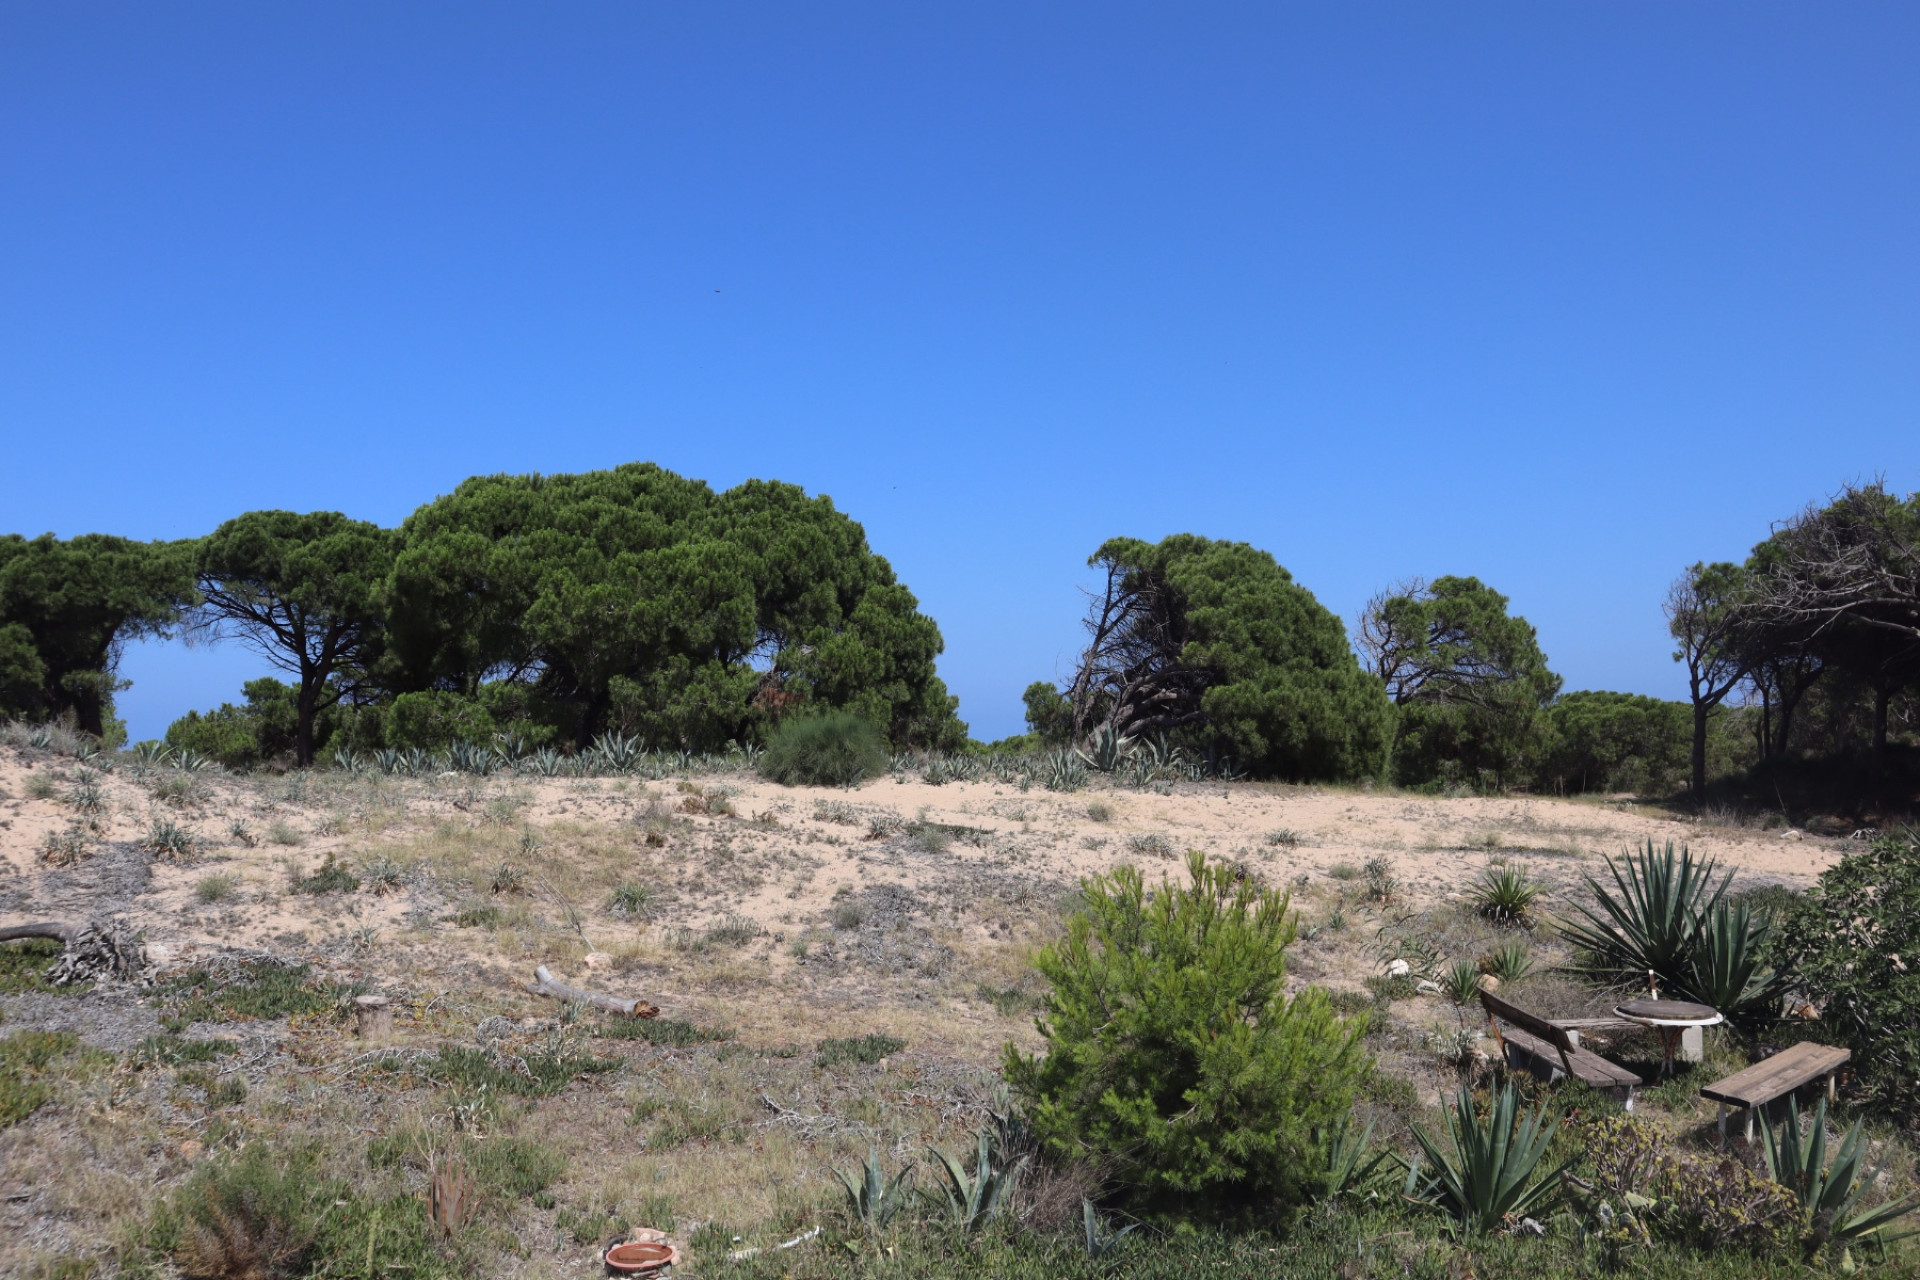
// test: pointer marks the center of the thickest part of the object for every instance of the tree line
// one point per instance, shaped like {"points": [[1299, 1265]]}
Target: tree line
{"points": [[1806, 653], [548, 608], [551, 609]]}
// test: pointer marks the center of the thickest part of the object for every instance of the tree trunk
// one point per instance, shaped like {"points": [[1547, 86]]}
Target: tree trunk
{"points": [[304, 706], [1700, 709], [1881, 697]]}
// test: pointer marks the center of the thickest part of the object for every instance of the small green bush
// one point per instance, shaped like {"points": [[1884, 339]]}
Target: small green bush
{"points": [[1173, 1050], [25, 1059], [825, 749]]}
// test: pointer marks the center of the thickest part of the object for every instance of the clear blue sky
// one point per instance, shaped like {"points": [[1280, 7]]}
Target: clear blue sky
{"points": [[1564, 296]]}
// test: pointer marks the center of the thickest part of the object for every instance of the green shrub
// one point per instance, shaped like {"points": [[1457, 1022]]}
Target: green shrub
{"points": [[824, 749], [670, 1032], [330, 877], [1173, 1051], [434, 720], [1853, 945]]}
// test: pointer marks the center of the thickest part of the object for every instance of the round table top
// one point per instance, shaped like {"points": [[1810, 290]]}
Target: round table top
{"points": [[1670, 1012]]}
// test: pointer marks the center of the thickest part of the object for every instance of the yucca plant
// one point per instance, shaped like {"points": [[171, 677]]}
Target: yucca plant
{"points": [[1652, 920], [1830, 1195], [1505, 895], [168, 839], [1727, 969], [974, 1198], [873, 1200], [1485, 1175], [1508, 962], [1460, 982]]}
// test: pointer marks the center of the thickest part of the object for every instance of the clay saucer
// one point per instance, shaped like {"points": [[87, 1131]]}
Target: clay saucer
{"points": [[638, 1257]]}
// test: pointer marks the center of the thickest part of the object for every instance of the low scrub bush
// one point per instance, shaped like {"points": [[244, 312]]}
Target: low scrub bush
{"points": [[330, 877], [24, 965], [271, 1213], [256, 990], [29, 1061], [470, 1070], [825, 749], [1173, 1051], [669, 1032], [859, 1050]]}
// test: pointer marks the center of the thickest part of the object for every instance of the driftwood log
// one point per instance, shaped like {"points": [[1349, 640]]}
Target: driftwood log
{"points": [[544, 983], [98, 951]]}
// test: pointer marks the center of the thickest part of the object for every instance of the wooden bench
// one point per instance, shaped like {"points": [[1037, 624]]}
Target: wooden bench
{"points": [[1550, 1050], [1774, 1078]]}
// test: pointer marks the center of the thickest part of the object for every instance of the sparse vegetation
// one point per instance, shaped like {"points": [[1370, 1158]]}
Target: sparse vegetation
{"points": [[209, 890]]}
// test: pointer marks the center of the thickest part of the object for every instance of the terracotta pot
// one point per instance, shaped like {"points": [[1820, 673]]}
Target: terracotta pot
{"points": [[639, 1258]]}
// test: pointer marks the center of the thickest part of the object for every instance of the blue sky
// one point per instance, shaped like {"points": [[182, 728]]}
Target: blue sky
{"points": [[1563, 296]]}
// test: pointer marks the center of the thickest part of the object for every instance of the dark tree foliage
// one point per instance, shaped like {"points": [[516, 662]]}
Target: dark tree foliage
{"points": [[304, 590], [1049, 714], [1469, 679], [1214, 642], [66, 608], [1616, 742], [637, 600], [262, 729]]}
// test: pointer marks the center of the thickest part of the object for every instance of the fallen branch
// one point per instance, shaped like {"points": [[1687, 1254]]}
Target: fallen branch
{"points": [[48, 929], [98, 951], [544, 983]]}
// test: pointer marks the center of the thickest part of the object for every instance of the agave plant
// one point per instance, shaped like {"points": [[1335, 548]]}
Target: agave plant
{"points": [[1101, 1239], [872, 1200], [1106, 749], [470, 757], [1352, 1165], [1063, 771], [1485, 1175], [152, 754], [190, 761], [974, 1198], [617, 752], [388, 761], [1830, 1195]]}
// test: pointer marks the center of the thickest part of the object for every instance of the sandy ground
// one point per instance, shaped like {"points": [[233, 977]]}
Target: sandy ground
{"points": [[785, 916], [957, 866]]}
